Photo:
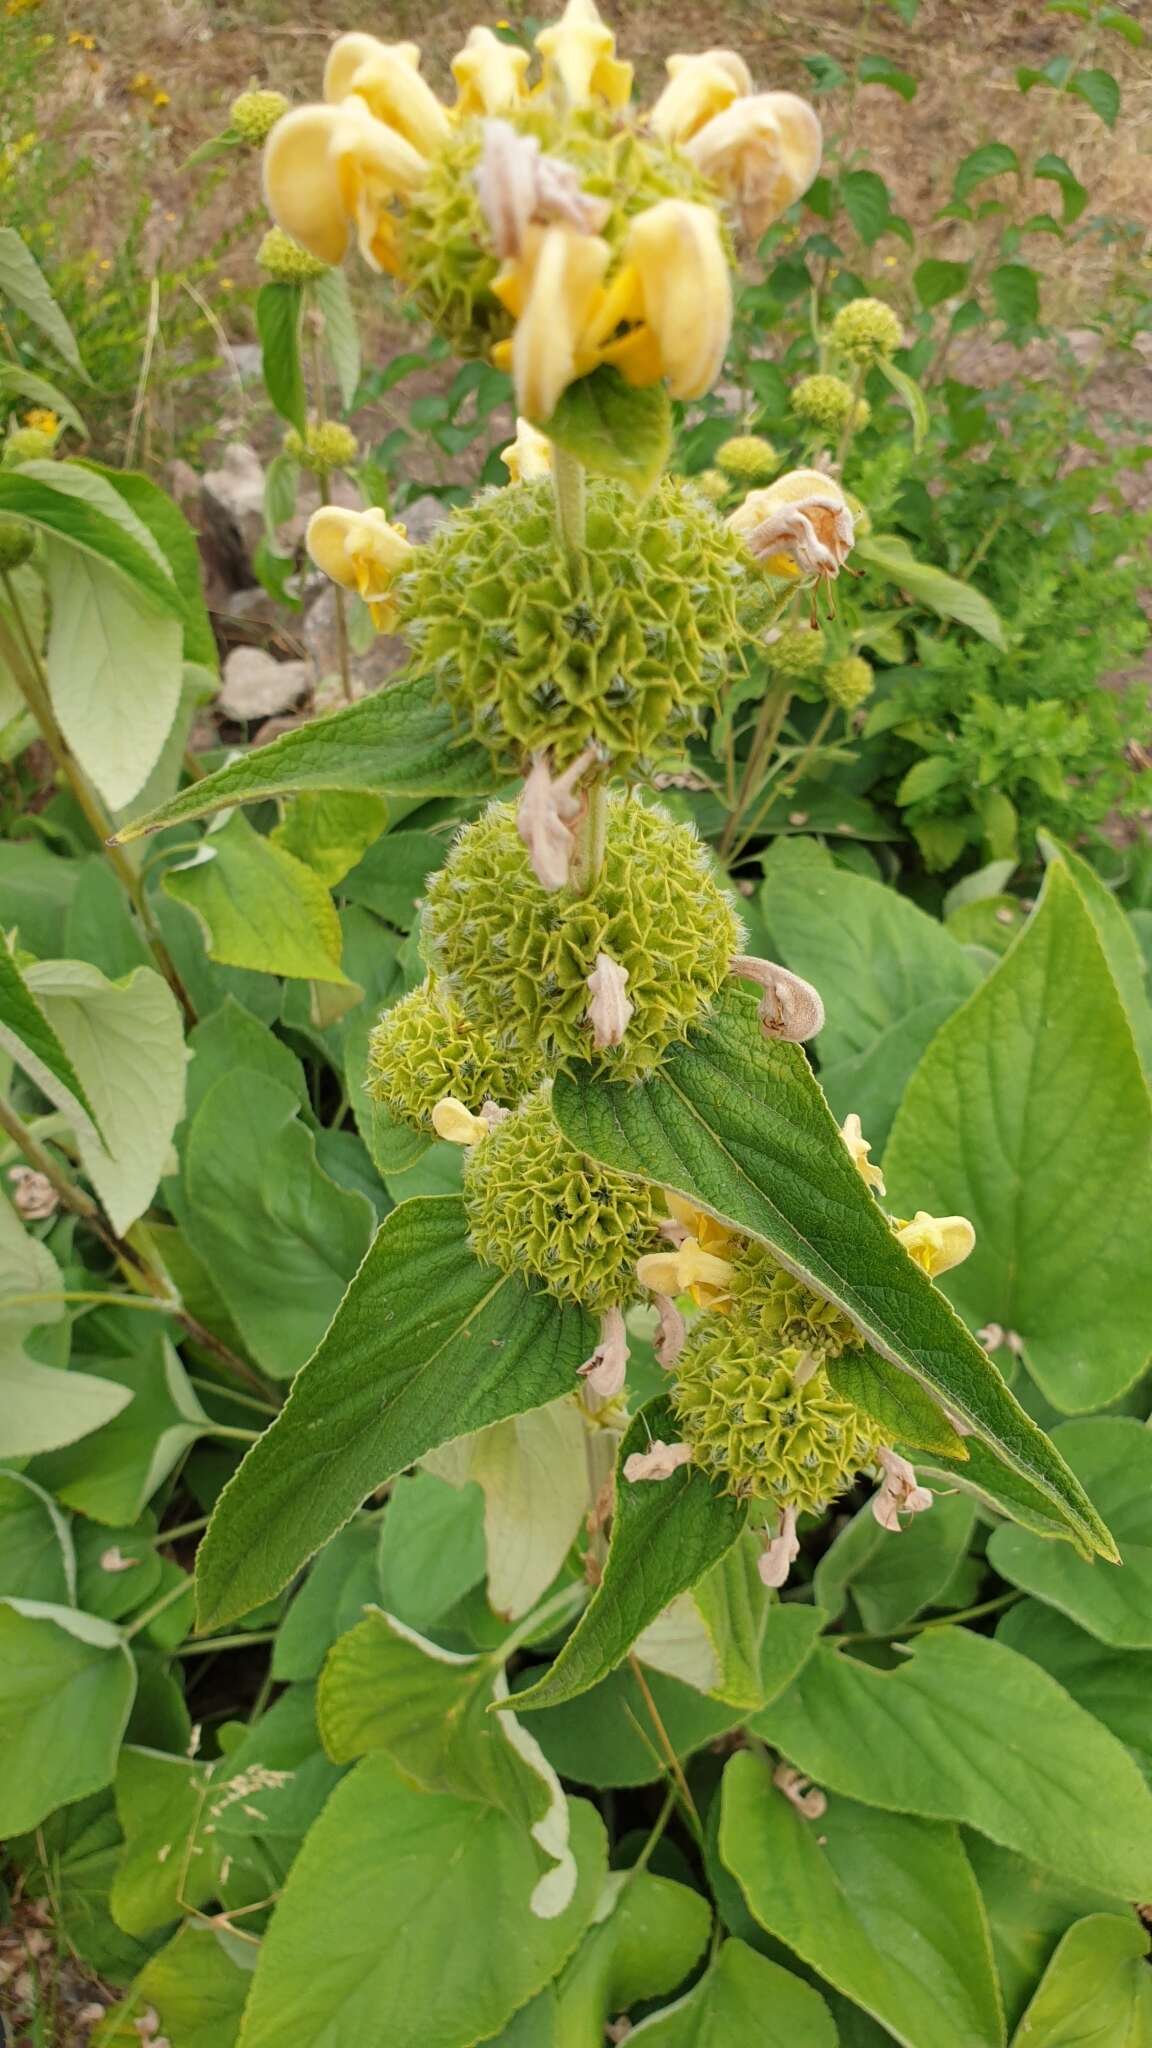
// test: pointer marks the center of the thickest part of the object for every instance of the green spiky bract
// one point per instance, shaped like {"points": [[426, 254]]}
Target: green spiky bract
{"points": [[537, 1206], [424, 1048], [517, 958]]}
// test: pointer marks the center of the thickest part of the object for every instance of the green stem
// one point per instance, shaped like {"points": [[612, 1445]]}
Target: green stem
{"points": [[565, 1601], [158, 1607], [230, 1394], [773, 712], [210, 1644], [182, 1529], [571, 500], [915, 1628], [795, 774], [239, 1436]]}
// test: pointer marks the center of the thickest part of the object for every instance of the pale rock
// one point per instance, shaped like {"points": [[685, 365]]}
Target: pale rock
{"points": [[256, 686]]}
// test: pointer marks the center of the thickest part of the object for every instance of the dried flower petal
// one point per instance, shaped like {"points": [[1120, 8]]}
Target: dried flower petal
{"points": [[670, 1337], [780, 1554], [610, 1010], [791, 1008], [517, 185], [604, 1373], [659, 1461], [807, 1798], [899, 1493], [763, 151], [548, 807]]}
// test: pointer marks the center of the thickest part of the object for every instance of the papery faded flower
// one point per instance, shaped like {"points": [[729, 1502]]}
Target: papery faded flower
{"points": [[517, 185], [807, 1798], [361, 551], [330, 168], [671, 1334], [800, 527], [763, 152], [386, 76], [605, 1372], [791, 1008], [547, 810], [698, 87], [610, 1010], [490, 74], [33, 1195], [452, 1121], [580, 62], [659, 1461], [859, 1149], [529, 456], [937, 1242], [780, 1554], [899, 1493]]}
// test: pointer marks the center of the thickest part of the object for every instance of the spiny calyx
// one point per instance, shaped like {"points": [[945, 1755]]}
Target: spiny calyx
{"points": [[425, 1048]]}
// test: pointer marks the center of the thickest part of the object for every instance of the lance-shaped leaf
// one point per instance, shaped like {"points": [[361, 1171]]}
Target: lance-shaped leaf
{"points": [[426, 1345], [666, 1533], [28, 1037], [400, 742], [738, 1125]]}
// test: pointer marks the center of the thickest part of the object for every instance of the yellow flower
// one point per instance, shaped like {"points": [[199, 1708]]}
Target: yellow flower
{"points": [[529, 456], [327, 167], [763, 152], [859, 1148], [451, 1120], [79, 41], [141, 82], [386, 76], [800, 526], [361, 551], [937, 1242], [579, 53], [43, 419], [672, 298], [698, 87], [161, 99], [489, 74], [700, 1265]]}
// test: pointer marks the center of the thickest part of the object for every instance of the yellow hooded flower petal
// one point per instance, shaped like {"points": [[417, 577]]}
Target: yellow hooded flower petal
{"points": [[451, 1120], [937, 1242], [529, 456], [698, 88], [859, 1149], [686, 291], [579, 53], [763, 152], [490, 74], [386, 77], [565, 270], [361, 551], [328, 167]]}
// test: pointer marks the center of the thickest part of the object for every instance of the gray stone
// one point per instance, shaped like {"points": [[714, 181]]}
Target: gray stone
{"points": [[232, 505], [421, 518], [256, 686]]}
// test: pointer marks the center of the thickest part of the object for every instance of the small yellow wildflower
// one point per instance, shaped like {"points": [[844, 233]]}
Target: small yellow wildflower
{"points": [[141, 82], [79, 40], [161, 99], [43, 419]]}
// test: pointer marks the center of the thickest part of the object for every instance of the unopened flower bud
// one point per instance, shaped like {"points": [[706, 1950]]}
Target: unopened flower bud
{"points": [[27, 444], [859, 1150]]}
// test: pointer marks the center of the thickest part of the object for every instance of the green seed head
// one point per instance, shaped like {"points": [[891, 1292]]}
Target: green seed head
{"points": [[254, 115], [27, 444], [17, 541], [325, 444], [798, 655], [628, 649], [537, 1206], [517, 959], [864, 330], [748, 459], [848, 682], [446, 245], [285, 261], [712, 484], [827, 404], [424, 1048]]}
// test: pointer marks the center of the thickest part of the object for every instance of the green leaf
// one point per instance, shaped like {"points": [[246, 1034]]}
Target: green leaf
{"points": [[406, 1901], [27, 1036], [1116, 934], [1112, 1455], [14, 377], [872, 1082], [66, 1688], [912, 398], [278, 308], [279, 1238], [613, 427], [259, 906], [24, 284], [936, 279], [1097, 1987], [401, 741], [534, 1483], [966, 1730], [43, 1406], [178, 545], [942, 594], [125, 1040], [742, 1997], [867, 202], [890, 1582], [1100, 91], [899, 1403], [1109, 1683], [605, 1737], [111, 1476], [884, 1907], [1029, 1911], [1044, 1047], [647, 1937], [72, 504], [331, 829], [392, 875], [232, 1038], [427, 1345], [872, 954], [342, 1582], [196, 1986], [1073, 195], [1016, 292], [431, 1547], [738, 1125], [341, 334], [882, 71], [37, 1558], [665, 1536], [115, 669], [989, 161]]}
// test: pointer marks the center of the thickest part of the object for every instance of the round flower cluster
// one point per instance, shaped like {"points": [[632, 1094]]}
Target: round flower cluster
{"points": [[864, 330], [254, 115], [796, 656], [627, 650], [827, 404], [424, 1048], [17, 541], [747, 459], [324, 444], [26, 444], [536, 1205], [848, 682], [285, 262], [517, 958]]}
